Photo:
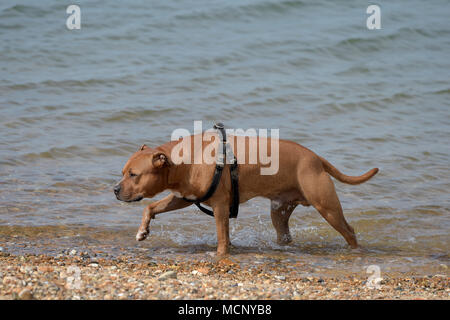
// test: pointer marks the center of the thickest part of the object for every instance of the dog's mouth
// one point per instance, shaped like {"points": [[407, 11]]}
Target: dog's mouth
{"points": [[138, 198]]}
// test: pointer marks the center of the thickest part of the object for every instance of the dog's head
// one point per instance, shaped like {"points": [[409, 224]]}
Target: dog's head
{"points": [[144, 175]]}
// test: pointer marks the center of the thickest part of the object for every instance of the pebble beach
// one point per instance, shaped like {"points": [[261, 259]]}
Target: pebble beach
{"points": [[78, 276]]}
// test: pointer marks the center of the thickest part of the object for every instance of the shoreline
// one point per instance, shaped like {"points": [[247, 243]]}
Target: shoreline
{"points": [[74, 276]]}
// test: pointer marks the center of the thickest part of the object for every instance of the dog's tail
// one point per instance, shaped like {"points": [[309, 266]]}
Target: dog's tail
{"points": [[344, 178]]}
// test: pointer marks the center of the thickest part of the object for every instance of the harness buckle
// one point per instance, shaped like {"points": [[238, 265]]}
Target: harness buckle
{"points": [[220, 160], [230, 155]]}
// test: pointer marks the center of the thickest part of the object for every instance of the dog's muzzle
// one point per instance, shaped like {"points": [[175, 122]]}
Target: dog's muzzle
{"points": [[117, 189]]}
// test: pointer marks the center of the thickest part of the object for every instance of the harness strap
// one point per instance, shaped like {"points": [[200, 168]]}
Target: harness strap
{"points": [[234, 176]]}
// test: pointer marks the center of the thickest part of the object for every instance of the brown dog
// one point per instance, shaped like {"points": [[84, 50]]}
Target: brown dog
{"points": [[303, 178]]}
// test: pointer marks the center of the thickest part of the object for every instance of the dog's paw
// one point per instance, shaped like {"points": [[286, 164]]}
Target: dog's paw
{"points": [[141, 235], [359, 249], [221, 258], [284, 239]]}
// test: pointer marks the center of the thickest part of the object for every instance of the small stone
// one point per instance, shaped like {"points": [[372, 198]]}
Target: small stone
{"points": [[45, 269], [281, 278], [203, 270], [93, 265], [442, 266], [73, 252], [26, 269], [167, 275], [25, 294], [1, 249], [226, 262], [9, 280]]}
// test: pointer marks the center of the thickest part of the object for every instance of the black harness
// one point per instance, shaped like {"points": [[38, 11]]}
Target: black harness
{"points": [[224, 152]]}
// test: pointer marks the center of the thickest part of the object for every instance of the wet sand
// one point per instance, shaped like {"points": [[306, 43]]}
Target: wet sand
{"points": [[82, 275]]}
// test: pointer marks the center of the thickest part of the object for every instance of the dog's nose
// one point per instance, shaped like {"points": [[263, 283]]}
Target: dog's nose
{"points": [[117, 189]]}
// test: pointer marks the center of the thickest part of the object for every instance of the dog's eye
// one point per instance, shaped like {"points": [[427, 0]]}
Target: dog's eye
{"points": [[133, 174]]}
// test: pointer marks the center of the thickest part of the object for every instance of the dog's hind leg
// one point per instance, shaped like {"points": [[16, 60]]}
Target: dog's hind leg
{"points": [[319, 191], [168, 203], [280, 211]]}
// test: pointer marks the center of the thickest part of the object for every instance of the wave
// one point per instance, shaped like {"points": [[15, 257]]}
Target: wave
{"points": [[69, 152], [53, 153], [27, 10], [124, 80], [243, 10], [372, 105], [443, 91], [11, 26], [401, 38], [140, 113]]}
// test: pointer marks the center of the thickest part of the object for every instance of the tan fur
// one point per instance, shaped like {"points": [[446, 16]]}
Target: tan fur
{"points": [[303, 178]]}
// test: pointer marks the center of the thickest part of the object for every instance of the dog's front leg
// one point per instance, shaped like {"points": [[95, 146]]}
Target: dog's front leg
{"points": [[144, 228], [221, 215], [168, 203]]}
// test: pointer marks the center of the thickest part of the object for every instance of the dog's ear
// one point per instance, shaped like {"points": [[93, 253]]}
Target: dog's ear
{"points": [[160, 159], [143, 147]]}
